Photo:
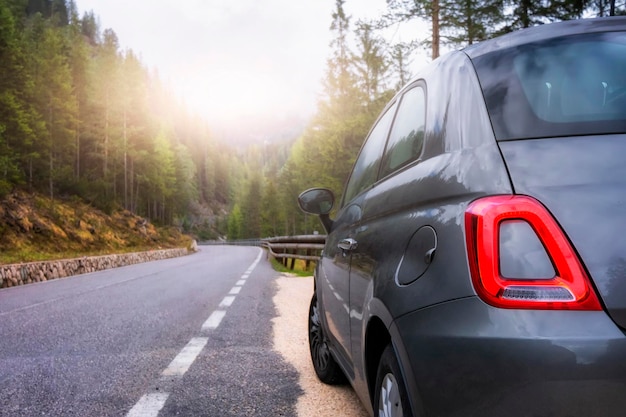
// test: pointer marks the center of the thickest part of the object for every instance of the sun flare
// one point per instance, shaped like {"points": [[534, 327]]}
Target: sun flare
{"points": [[233, 95]]}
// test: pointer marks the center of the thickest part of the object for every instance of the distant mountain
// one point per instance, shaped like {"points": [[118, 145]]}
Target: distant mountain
{"points": [[258, 131]]}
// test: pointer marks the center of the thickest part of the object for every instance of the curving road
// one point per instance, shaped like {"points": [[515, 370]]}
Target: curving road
{"points": [[189, 336]]}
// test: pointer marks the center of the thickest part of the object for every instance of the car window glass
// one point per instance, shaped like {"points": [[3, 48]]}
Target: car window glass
{"points": [[407, 135], [561, 87], [365, 171], [566, 86]]}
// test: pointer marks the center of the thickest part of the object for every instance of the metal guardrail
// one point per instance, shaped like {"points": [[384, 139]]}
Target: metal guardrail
{"points": [[284, 248], [243, 242], [289, 248]]}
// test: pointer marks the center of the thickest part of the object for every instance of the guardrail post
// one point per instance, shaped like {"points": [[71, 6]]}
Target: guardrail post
{"points": [[307, 263], [282, 248]]}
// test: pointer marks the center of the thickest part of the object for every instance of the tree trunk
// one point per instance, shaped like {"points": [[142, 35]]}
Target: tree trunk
{"points": [[469, 23], [77, 168], [106, 145], [131, 177], [435, 29], [105, 167], [30, 172], [114, 174], [51, 160], [125, 163], [136, 200], [50, 181], [525, 19]]}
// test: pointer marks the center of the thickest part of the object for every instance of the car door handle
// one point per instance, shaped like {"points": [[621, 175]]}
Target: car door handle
{"points": [[348, 244]]}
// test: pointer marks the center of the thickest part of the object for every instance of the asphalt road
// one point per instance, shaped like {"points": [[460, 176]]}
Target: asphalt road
{"points": [[189, 336]]}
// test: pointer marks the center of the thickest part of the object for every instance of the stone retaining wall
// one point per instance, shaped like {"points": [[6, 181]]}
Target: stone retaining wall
{"points": [[27, 273]]}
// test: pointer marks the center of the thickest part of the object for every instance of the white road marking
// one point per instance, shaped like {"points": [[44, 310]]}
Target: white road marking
{"points": [[185, 358], [214, 320], [227, 301], [149, 405]]}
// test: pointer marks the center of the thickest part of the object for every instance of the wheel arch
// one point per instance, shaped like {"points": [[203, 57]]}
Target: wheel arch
{"points": [[381, 331], [377, 338]]}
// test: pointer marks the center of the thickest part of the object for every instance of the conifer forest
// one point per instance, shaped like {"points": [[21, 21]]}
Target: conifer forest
{"points": [[82, 118]]}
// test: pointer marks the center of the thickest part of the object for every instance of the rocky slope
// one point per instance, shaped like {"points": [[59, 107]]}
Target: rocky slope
{"points": [[33, 227]]}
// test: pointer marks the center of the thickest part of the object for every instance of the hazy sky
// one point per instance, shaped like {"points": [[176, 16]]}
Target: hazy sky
{"points": [[232, 60]]}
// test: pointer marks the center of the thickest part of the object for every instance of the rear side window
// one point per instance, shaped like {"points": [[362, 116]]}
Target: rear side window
{"points": [[365, 171], [406, 139], [566, 86]]}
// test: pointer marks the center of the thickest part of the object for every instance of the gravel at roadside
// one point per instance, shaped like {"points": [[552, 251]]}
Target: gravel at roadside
{"points": [[291, 341]]}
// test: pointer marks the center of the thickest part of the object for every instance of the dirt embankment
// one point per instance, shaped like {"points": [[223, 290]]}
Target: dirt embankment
{"points": [[32, 225]]}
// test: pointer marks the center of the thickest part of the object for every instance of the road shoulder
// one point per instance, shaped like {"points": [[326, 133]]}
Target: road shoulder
{"points": [[291, 341]]}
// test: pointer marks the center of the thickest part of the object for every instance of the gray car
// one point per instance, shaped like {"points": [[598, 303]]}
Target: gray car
{"points": [[476, 265]]}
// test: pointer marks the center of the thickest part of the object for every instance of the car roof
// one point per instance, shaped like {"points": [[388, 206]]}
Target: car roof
{"points": [[548, 31]]}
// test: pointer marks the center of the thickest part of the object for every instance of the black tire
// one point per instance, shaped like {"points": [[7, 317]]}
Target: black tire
{"points": [[327, 370], [390, 397]]}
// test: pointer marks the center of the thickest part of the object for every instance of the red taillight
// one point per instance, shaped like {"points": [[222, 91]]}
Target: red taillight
{"points": [[568, 289]]}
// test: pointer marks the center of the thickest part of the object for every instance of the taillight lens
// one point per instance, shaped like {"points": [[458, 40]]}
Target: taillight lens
{"points": [[541, 269]]}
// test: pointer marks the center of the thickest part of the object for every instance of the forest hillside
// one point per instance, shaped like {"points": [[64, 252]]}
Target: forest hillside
{"points": [[87, 131], [33, 227]]}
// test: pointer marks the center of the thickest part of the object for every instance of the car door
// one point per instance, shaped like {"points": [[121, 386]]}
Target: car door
{"points": [[341, 244], [382, 237], [334, 283]]}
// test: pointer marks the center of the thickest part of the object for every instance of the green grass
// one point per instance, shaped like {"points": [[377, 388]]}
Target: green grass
{"points": [[33, 255], [299, 268]]}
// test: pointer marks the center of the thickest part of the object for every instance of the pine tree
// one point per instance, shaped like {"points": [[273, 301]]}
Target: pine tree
{"points": [[370, 62], [411, 10], [251, 210], [235, 221], [270, 211], [89, 28], [52, 153], [603, 8], [355, 92], [18, 122], [77, 116], [81, 82], [455, 23], [133, 132], [400, 60], [339, 84], [161, 175], [527, 13], [107, 79], [185, 189], [469, 21]]}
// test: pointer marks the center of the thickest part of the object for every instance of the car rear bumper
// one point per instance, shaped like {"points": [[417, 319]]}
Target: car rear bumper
{"points": [[466, 358]]}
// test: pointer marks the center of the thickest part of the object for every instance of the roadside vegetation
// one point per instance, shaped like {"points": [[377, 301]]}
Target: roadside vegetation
{"points": [[87, 125], [300, 268], [35, 228]]}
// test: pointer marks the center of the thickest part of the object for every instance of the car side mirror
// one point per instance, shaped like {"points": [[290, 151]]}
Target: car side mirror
{"points": [[318, 201]]}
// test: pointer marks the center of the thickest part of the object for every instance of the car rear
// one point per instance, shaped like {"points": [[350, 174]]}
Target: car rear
{"points": [[558, 109], [545, 335]]}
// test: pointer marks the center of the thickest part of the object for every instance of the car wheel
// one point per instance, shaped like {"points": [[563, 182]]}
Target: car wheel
{"points": [[324, 364], [390, 398]]}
